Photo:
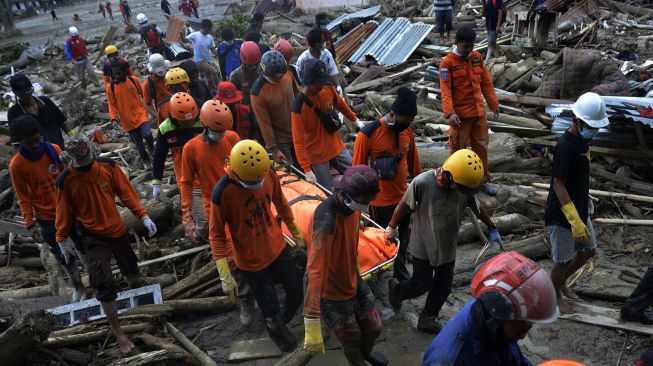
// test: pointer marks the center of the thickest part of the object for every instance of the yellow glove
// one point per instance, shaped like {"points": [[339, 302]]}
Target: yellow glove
{"points": [[296, 234], [578, 228], [313, 341], [70, 133], [229, 285]]}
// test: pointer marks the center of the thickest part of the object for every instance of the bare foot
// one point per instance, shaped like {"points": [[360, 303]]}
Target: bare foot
{"points": [[125, 344], [564, 307], [569, 293]]}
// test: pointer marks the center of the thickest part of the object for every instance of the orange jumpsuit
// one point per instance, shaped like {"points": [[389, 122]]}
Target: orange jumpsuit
{"points": [[463, 84]]}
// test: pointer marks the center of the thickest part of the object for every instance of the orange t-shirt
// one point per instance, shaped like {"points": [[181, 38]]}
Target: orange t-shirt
{"points": [[126, 104], [313, 143], [160, 89], [375, 139], [90, 198], [272, 107], [163, 112], [33, 182]]}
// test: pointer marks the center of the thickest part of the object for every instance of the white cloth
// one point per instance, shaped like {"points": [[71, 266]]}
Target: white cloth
{"points": [[325, 57], [202, 43]]}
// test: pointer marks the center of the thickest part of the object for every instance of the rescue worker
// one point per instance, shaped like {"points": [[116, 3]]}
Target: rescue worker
{"points": [[272, 97], [317, 50], [87, 192], [232, 97], [438, 199], [125, 100], [286, 49], [109, 10], [336, 291], [33, 172], [203, 159], [511, 292], [257, 38], [321, 21], [152, 36], [567, 211], [388, 145], [244, 78], [634, 309], [113, 57], [444, 18], [256, 23], [203, 47], [186, 7], [165, 7], [177, 81], [495, 16], [198, 88], [228, 52], [154, 87], [77, 53], [51, 119], [182, 125], [241, 202], [318, 148], [464, 81], [101, 10]]}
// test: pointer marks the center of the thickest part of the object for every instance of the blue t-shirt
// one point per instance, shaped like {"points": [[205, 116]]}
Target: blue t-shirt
{"points": [[202, 43], [229, 56]]}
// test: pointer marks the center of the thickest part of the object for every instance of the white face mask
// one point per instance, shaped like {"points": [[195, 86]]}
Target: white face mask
{"points": [[253, 187], [214, 136], [353, 205], [160, 73], [229, 43]]}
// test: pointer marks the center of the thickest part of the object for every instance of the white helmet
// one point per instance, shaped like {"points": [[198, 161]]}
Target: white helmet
{"points": [[141, 18], [73, 31], [591, 109]]}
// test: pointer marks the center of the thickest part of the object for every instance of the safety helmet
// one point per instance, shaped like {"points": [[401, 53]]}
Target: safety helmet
{"points": [[561, 363], [590, 108], [110, 49], [250, 53], [176, 76], [73, 31], [216, 116], [465, 167], [273, 63], [523, 282], [249, 161], [284, 48], [183, 107], [141, 18]]}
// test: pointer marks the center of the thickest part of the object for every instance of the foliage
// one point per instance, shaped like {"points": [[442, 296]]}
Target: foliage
{"points": [[237, 22]]}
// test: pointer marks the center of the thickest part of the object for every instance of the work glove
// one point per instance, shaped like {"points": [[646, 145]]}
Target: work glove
{"points": [[391, 233], [279, 157], [578, 228], [310, 177], [360, 124], [192, 232], [67, 247], [150, 226], [229, 285], [297, 236], [340, 91], [313, 341], [495, 238], [156, 191], [70, 133]]}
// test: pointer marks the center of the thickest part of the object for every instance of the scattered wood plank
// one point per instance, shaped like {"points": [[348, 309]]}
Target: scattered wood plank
{"points": [[208, 305], [386, 79], [515, 72], [532, 101], [298, 357], [610, 323], [601, 151], [84, 338], [12, 227], [633, 184], [202, 357], [159, 357], [22, 338], [597, 193], [183, 253], [253, 349], [633, 222], [206, 273], [160, 343]]}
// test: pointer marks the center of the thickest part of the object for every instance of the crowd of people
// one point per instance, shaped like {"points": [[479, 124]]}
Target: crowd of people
{"points": [[226, 128]]}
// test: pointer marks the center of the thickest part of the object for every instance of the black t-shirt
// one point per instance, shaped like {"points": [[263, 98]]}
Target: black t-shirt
{"points": [[492, 16], [50, 117], [571, 160]]}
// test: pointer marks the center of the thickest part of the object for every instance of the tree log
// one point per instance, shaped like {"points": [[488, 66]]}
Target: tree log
{"points": [[29, 263], [160, 211], [298, 357], [206, 273], [75, 356], [25, 293], [202, 357], [21, 339], [506, 224], [160, 343], [85, 338], [161, 357], [209, 305]]}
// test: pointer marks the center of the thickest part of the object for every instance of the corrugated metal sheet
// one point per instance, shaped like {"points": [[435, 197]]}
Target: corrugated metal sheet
{"points": [[393, 41], [349, 43], [361, 14], [582, 11]]}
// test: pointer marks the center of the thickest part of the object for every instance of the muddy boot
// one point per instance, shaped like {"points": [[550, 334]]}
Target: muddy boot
{"points": [[428, 324], [246, 312], [79, 291], [393, 297], [634, 309], [280, 334], [377, 359]]}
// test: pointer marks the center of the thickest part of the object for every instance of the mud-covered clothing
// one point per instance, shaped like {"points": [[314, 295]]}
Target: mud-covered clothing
{"points": [[272, 105], [90, 198], [125, 101], [173, 135], [99, 252], [51, 118], [437, 281]]}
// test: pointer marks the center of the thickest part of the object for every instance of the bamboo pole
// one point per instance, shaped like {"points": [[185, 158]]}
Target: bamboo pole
{"points": [[202, 357], [623, 222]]}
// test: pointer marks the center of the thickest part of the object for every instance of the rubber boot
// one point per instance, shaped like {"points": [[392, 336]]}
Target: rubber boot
{"points": [[634, 309], [79, 291], [246, 311], [393, 297], [280, 334], [428, 324], [377, 359]]}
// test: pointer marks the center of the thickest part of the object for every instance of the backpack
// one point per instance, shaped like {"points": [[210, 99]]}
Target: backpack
{"points": [[151, 36]]}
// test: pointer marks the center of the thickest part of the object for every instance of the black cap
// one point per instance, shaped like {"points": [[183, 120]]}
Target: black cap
{"points": [[322, 18], [406, 103], [227, 34], [20, 84], [314, 72]]}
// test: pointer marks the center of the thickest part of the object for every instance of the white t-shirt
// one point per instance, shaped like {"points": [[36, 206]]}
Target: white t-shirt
{"points": [[202, 43], [325, 57]]}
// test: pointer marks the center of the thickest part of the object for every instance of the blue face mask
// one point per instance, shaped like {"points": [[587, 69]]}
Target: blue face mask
{"points": [[214, 136], [588, 134]]}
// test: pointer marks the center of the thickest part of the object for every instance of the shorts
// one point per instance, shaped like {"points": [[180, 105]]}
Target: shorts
{"points": [[443, 20], [100, 251], [563, 245], [492, 37]]}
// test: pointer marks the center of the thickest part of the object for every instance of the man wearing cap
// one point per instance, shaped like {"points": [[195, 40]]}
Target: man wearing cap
{"points": [[336, 292], [568, 206], [318, 149], [154, 87], [228, 52], [198, 88], [77, 53], [438, 199], [388, 145], [87, 192], [51, 119], [241, 113], [321, 21]]}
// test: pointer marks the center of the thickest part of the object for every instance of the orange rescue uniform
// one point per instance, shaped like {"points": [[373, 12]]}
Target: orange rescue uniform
{"points": [[160, 90], [126, 104], [272, 106], [313, 143], [383, 141], [33, 182]]}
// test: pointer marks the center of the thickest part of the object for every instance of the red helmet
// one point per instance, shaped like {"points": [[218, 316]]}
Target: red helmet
{"points": [[216, 116], [523, 282], [285, 48], [250, 54]]}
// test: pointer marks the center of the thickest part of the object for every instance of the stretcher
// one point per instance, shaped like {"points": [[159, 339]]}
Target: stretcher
{"points": [[376, 253]]}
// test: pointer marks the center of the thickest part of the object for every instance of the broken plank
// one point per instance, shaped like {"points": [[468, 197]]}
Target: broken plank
{"points": [[605, 194], [202, 357], [532, 101], [169, 256], [386, 79], [607, 221], [606, 322], [633, 184], [515, 72], [253, 349], [12, 227], [600, 151], [159, 357]]}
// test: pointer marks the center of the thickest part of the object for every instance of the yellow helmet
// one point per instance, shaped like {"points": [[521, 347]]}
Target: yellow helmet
{"points": [[176, 75], [110, 49], [465, 167], [249, 160]]}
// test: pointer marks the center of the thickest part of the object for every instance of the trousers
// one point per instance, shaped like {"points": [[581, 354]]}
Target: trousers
{"points": [[472, 132], [322, 171], [100, 250], [436, 280], [137, 136], [83, 67]]}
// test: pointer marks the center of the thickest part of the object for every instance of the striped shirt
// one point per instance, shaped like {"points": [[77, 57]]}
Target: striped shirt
{"points": [[440, 5]]}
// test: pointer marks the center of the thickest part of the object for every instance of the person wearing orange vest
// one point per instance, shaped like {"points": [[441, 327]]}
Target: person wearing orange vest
{"points": [[177, 81], [78, 55], [111, 51], [241, 201], [464, 82], [232, 97], [125, 99], [154, 87], [388, 145], [87, 192]]}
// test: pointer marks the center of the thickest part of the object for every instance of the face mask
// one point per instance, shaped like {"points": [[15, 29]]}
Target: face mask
{"points": [[160, 73], [253, 187], [389, 121], [113, 58], [85, 168], [229, 43], [399, 127], [353, 205], [214, 136], [324, 46], [588, 134]]}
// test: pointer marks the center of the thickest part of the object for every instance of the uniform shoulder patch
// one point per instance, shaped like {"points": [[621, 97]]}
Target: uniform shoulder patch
{"points": [[368, 129], [444, 73]]}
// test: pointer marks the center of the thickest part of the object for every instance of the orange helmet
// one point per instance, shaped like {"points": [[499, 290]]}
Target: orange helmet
{"points": [[285, 48], [183, 107], [216, 116]]}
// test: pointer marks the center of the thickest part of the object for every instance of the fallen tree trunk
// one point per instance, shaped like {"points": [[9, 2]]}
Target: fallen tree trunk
{"points": [[597, 193], [26, 293], [298, 357], [164, 344], [160, 211], [21, 339], [85, 338], [209, 305], [206, 273], [202, 357], [506, 224], [29, 263]]}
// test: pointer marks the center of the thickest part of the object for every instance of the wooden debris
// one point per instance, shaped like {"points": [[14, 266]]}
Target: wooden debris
{"points": [[164, 344], [204, 274], [597, 193], [56, 340], [202, 357], [298, 357], [161, 357], [252, 349], [21, 339], [386, 79]]}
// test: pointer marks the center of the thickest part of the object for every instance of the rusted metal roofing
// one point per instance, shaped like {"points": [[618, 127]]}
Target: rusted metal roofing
{"points": [[349, 43], [175, 26], [361, 14], [393, 41]]}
